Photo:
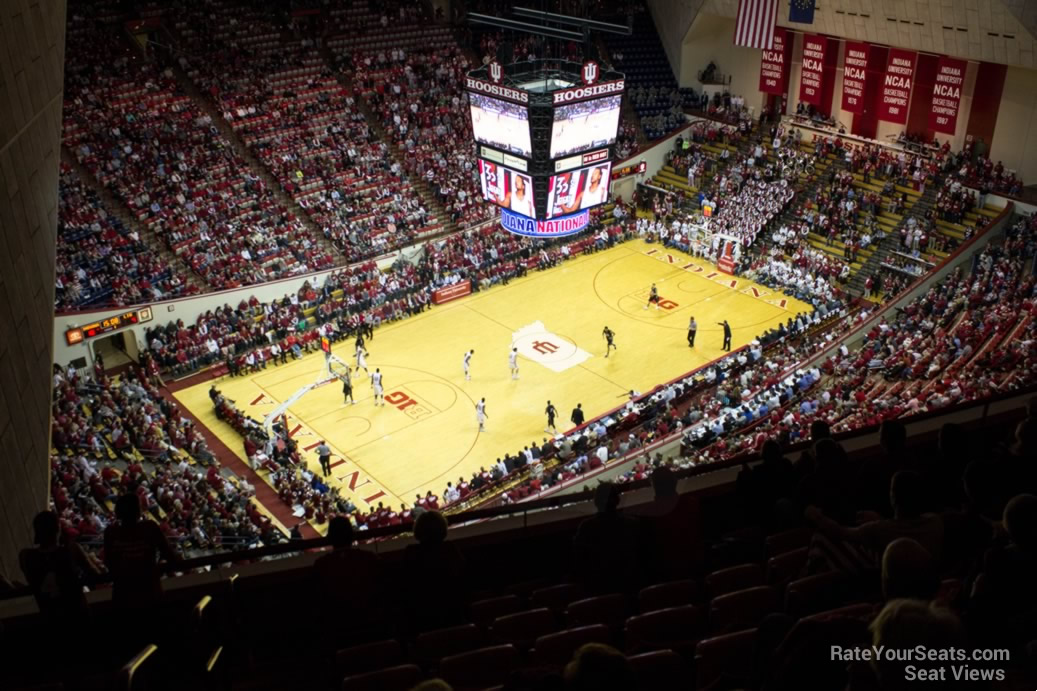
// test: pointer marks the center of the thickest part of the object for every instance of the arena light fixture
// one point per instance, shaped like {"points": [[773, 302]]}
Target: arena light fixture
{"points": [[524, 27], [594, 24]]}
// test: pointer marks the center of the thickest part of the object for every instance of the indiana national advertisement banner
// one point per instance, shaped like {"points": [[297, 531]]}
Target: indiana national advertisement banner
{"points": [[950, 78], [812, 77], [855, 76], [895, 94], [772, 65]]}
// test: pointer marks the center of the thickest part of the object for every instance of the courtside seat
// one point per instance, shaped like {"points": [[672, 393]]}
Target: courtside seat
{"points": [[660, 670], [523, 628], [484, 612], [556, 649], [433, 646], [480, 668], [361, 659], [669, 594], [743, 609], [673, 628], [610, 610], [721, 656], [734, 578], [399, 678]]}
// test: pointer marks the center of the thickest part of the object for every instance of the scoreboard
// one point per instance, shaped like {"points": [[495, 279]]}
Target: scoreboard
{"points": [[78, 334], [545, 131]]}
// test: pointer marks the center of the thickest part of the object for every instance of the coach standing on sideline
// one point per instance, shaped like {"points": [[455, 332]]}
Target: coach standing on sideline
{"points": [[577, 416], [727, 334], [324, 454], [692, 328]]}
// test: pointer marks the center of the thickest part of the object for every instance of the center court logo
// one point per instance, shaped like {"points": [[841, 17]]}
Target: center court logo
{"points": [[554, 352]]}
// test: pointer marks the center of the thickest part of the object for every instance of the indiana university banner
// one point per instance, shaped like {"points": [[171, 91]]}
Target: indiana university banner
{"points": [[855, 76], [895, 94], [773, 75], [812, 76], [950, 77]]}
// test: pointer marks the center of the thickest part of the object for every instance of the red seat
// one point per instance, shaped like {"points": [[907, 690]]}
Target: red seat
{"points": [[479, 669], [663, 595], [784, 567], [673, 628], [610, 610], [522, 628], [816, 593], [433, 646], [743, 609], [484, 612], [398, 678], [368, 657], [556, 649], [728, 654], [779, 543], [661, 670], [734, 578], [556, 597]]}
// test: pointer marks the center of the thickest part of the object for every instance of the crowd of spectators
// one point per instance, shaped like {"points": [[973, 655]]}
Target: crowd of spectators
{"points": [[101, 262], [117, 436], [130, 123]]}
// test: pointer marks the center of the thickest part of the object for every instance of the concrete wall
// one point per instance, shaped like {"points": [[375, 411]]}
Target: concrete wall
{"points": [[672, 19], [32, 49], [710, 38], [1015, 135]]}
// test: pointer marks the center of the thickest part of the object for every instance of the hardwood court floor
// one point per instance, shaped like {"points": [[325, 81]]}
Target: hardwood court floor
{"points": [[426, 434]]}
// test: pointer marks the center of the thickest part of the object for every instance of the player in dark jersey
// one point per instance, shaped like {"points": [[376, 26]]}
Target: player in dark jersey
{"points": [[551, 412], [609, 334], [653, 297]]}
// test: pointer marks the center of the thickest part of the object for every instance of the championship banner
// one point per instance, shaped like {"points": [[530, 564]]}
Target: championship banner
{"points": [[855, 76], [772, 65], [811, 79], [895, 94], [950, 77]]}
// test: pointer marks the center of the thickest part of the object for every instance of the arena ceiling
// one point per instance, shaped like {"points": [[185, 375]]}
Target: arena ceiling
{"points": [[984, 30]]}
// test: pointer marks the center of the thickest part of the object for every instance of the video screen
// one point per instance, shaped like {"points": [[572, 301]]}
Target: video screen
{"points": [[578, 189], [500, 124], [507, 188], [581, 126]]}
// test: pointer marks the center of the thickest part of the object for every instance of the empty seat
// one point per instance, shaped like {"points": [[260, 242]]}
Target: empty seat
{"points": [[522, 628], [660, 670], [609, 610], [478, 669], [674, 628], [556, 649], [734, 578], [484, 612], [399, 678], [815, 593], [782, 568], [433, 646], [779, 543], [743, 609], [368, 657], [724, 655], [556, 597], [663, 595]]}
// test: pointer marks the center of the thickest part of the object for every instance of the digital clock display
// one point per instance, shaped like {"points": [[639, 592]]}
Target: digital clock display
{"points": [[119, 321]]}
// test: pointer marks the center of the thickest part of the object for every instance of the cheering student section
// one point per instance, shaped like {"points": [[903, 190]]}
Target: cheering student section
{"points": [[500, 124], [582, 126]]}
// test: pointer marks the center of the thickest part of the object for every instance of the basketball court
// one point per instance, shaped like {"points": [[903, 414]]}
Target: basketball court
{"points": [[426, 434]]}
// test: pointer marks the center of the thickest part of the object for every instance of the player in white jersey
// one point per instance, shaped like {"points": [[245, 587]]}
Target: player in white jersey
{"points": [[597, 189], [520, 199], [513, 362], [468, 364], [568, 192], [376, 382], [480, 414], [361, 360], [493, 181]]}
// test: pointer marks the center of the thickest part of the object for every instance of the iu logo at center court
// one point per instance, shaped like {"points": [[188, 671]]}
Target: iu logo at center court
{"points": [[497, 72], [590, 72], [556, 353]]}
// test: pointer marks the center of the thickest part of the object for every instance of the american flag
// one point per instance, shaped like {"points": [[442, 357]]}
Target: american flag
{"points": [[755, 25]]}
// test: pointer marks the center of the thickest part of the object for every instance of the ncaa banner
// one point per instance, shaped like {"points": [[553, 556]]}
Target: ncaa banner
{"points": [[855, 76], [811, 79], [950, 78], [772, 65], [895, 94]]}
